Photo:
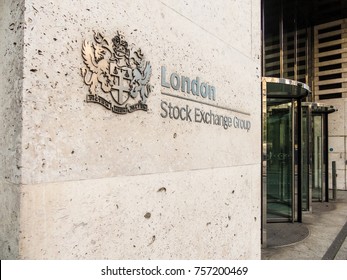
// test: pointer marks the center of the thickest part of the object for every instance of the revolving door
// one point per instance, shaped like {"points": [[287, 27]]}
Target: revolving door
{"points": [[282, 150], [294, 150]]}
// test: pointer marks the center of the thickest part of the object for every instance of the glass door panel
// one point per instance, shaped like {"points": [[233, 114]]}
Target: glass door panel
{"points": [[317, 170], [305, 158], [279, 160]]}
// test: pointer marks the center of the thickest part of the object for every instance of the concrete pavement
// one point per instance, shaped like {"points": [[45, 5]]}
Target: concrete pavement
{"points": [[322, 233]]}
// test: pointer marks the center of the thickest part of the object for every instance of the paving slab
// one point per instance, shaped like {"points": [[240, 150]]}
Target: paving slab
{"points": [[324, 225]]}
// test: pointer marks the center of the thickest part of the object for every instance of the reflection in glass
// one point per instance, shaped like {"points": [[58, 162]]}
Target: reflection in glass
{"points": [[317, 176], [279, 160], [305, 166]]}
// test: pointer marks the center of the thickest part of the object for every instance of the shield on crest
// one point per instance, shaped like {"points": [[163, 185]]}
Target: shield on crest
{"points": [[121, 86]]}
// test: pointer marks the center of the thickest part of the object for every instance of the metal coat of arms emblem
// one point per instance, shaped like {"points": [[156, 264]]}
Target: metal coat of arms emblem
{"points": [[116, 74]]}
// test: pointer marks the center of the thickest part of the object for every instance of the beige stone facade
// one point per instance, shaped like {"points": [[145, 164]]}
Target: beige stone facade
{"points": [[81, 182], [337, 141]]}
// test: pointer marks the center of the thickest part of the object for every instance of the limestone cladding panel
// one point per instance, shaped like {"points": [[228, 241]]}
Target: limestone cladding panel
{"points": [[205, 214], [65, 138], [234, 22], [337, 144], [337, 120], [340, 179], [9, 217], [11, 75], [338, 156], [337, 140], [11, 81], [102, 185]]}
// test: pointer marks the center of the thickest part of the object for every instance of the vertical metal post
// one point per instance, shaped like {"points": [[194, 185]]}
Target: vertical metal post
{"points": [[307, 56], [263, 71], [326, 156], [299, 157], [293, 161], [263, 167], [322, 160], [333, 167], [310, 54], [295, 43], [281, 23]]}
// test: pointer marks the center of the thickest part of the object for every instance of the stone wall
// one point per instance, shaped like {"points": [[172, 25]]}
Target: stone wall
{"points": [[11, 81], [96, 184], [337, 141]]}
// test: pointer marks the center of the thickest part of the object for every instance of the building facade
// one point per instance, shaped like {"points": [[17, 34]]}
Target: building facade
{"points": [[130, 129], [305, 43], [304, 134]]}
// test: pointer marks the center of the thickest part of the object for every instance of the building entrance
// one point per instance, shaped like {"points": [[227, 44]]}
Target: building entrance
{"points": [[295, 155], [301, 45], [282, 150]]}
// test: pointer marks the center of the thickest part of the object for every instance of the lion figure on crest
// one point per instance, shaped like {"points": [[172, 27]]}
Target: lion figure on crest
{"points": [[96, 58]]}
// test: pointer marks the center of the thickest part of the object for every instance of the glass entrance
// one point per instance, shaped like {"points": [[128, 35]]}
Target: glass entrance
{"points": [[279, 159], [282, 151]]}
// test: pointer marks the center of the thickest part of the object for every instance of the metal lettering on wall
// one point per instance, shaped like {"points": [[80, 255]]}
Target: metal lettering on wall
{"points": [[202, 93], [117, 76]]}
